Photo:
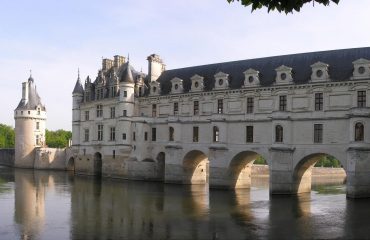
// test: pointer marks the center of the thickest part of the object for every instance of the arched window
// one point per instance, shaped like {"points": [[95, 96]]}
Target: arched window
{"points": [[279, 133], [216, 134], [359, 132], [171, 134]]}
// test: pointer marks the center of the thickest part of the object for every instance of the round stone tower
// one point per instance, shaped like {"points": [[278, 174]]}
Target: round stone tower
{"points": [[30, 120], [77, 97]]}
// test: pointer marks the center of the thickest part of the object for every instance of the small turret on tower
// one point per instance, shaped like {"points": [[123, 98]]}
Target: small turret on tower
{"points": [[77, 96], [30, 123]]}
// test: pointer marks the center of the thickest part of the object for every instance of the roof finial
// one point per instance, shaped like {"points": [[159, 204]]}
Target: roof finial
{"points": [[30, 72], [128, 57], [78, 73]]}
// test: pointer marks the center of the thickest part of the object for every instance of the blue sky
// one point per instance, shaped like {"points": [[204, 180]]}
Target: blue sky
{"points": [[55, 38]]}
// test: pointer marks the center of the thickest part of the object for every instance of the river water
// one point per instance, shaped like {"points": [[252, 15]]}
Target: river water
{"points": [[59, 205]]}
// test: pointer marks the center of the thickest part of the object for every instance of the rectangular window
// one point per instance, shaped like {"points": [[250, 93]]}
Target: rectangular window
{"points": [[37, 140], [146, 136], [249, 134], [319, 101], [124, 136], [318, 133], [140, 89], [175, 108], [196, 108], [195, 134], [112, 112], [154, 110], [37, 125], [282, 103], [100, 132], [133, 136], [125, 113], [361, 99], [125, 93], [87, 133], [112, 134], [250, 105], [84, 152], [114, 154], [87, 115], [220, 106], [99, 111], [154, 134]]}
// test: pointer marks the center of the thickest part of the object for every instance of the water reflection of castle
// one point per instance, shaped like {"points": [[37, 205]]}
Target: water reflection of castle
{"points": [[110, 209]]}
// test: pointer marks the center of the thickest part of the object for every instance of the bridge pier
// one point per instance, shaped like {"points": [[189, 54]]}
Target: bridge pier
{"points": [[358, 172], [281, 172]]}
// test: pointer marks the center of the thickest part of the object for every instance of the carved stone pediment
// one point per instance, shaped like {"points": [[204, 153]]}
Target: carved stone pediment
{"points": [[177, 86], [251, 78], [320, 72], [284, 75], [197, 83], [361, 69], [221, 80]]}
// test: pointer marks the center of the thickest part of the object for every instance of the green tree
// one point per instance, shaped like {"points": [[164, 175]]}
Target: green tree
{"points": [[7, 136], [287, 6], [58, 138], [328, 161]]}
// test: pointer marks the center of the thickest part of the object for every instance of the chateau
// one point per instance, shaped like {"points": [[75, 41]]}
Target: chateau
{"points": [[207, 124]]}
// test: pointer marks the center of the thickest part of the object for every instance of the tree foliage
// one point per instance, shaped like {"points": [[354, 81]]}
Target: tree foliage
{"points": [[287, 6], [58, 138], [7, 136], [328, 161]]}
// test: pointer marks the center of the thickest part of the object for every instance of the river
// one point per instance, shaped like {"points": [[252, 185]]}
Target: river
{"points": [[59, 205]]}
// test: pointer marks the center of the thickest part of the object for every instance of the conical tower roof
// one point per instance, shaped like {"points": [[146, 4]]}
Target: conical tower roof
{"points": [[127, 75], [78, 86]]}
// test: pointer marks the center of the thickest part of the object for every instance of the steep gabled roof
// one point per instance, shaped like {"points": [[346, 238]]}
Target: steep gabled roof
{"points": [[34, 99]]}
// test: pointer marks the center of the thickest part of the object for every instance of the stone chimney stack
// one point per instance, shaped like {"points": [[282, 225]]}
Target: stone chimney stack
{"points": [[25, 92], [118, 61], [155, 67], [107, 64]]}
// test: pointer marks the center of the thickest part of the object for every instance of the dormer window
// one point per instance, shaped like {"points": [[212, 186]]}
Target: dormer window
{"points": [[222, 80], [361, 69], [177, 86], [196, 83], [320, 72], [155, 88], [283, 75], [251, 78]]}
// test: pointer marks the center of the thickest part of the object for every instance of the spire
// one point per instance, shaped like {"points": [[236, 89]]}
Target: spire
{"points": [[127, 74], [30, 79], [78, 87]]}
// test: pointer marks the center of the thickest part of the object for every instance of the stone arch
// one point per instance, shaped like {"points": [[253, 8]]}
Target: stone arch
{"points": [[302, 174], [98, 164], [161, 161], [195, 166], [240, 169], [71, 164]]}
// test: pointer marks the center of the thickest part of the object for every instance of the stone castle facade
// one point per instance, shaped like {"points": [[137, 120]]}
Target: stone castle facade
{"points": [[207, 124]]}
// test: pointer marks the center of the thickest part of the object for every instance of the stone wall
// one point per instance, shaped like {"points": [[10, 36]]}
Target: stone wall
{"points": [[7, 156], [263, 170], [50, 158]]}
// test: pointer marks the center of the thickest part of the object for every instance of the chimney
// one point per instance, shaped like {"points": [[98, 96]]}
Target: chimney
{"points": [[25, 92], [107, 64], [155, 67], [118, 61]]}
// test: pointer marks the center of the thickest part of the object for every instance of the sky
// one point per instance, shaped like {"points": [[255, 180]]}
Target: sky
{"points": [[54, 38]]}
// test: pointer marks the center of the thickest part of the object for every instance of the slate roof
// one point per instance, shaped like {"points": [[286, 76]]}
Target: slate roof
{"points": [[340, 68], [34, 99], [78, 87], [126, 75]]}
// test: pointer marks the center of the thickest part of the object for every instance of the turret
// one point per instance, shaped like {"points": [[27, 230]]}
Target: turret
{"points": [[77, 97], [155, 67], [30, 123], [127, 98]]}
